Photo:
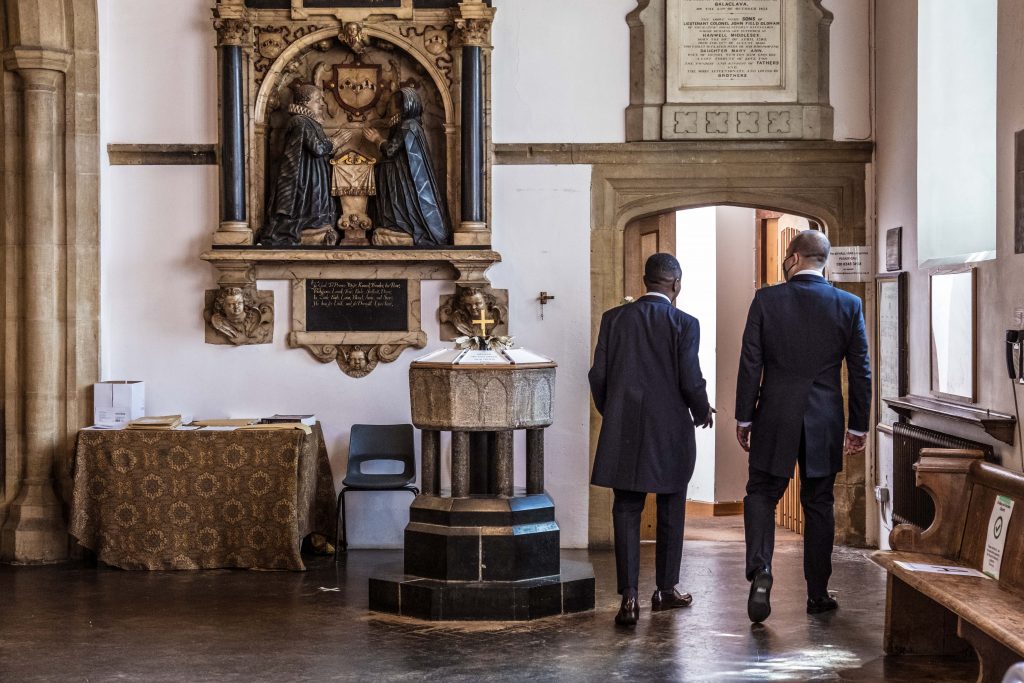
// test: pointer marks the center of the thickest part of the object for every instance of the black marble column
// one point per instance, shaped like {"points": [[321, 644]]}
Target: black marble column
{"points": [[430, 463], [503, 464], [472, 135], [534, 461], [232, 136], [460, 464]]}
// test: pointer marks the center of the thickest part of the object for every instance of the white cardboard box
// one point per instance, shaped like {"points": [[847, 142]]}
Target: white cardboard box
{"points": [[119, 402]]}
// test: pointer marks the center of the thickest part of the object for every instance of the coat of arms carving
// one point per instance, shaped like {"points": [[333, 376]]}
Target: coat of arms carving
{"points": [[356, 87]]}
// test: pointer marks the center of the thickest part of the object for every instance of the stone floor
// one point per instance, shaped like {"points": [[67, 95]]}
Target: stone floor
{"points": [[77, 623]]}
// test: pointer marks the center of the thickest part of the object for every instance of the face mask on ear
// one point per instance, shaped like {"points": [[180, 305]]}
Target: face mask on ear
{"points": [[786, 270]]}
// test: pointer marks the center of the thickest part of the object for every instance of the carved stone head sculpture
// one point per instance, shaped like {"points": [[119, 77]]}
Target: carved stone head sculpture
{"points": [[470, 304], [239, 318], [311, 98]]}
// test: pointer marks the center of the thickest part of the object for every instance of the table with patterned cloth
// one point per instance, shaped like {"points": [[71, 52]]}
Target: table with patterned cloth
{"points": [[197, 499]]}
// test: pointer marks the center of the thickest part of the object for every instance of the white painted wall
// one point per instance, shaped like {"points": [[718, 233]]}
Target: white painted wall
{"points": [[560, 74], [696, 249], [736, 243], [715, 247], [850, 68], [1001, 281], [560, 70]]}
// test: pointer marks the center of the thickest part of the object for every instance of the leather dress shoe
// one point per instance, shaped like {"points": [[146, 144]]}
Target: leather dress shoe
{"points": [[759, 603], [820, 605], [629, 611], [671, 599]]}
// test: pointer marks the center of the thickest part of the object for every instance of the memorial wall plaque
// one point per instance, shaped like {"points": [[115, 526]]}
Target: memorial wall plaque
{"points": [[891, 344], [353, 4], [731, 43], [357, 305]]}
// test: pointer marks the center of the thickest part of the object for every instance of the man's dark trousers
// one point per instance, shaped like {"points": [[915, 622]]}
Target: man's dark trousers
{"points": [[626, 513], [764, 491]]}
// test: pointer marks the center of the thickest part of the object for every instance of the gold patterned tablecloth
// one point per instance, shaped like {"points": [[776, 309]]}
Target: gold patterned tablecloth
{"points": [[201, 499]]}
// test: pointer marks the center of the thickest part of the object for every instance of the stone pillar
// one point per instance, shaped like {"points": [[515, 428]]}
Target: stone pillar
{"points": [[232, 36], [35, 530], [473, 26]]}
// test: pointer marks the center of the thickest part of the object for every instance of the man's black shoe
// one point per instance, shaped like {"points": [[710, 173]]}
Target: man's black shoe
{"points": [[629, 611], [820, 605], [673, 599], [758, 604]]}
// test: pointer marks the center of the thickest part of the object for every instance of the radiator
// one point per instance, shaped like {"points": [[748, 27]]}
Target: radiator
{"points": [[911, 505]]}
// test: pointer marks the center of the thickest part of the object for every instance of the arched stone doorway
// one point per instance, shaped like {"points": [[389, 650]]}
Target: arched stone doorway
{"points": [[825, 181]]}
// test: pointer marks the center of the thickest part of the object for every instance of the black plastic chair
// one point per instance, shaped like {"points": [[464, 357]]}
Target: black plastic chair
{"points": [[376, 443]]}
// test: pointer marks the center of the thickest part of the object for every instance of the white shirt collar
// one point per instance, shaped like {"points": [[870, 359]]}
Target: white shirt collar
{"points": [[820, 272], [659, 294]]}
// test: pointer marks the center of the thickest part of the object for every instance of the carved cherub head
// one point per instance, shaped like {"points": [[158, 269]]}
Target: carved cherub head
{"points": [[232, 302], [357, 359], [474, 301], [352, 35]]}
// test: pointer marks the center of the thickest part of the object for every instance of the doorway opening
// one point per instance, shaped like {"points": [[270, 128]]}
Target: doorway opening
{"points": [[726, 252]]}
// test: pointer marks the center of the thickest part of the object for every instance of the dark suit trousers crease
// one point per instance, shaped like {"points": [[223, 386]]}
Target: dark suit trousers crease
{"points": [[764, 491], [668, 554]]}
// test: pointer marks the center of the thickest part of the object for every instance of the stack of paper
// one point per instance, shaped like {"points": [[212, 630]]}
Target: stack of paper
{"points": [[155, 422], [226, 422], [304, 419], [279, 425], [442, 356], [524, 357]]}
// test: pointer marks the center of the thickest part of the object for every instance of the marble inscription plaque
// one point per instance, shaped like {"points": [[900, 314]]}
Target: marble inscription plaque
{"points": [[357, 305], [735, 43]]}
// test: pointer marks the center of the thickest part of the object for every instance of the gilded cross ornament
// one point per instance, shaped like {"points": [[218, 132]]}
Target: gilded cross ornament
{"points": [[483, 321]]}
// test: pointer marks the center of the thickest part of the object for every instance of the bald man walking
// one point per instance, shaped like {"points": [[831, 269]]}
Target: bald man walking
{"points": [[789, 410]]}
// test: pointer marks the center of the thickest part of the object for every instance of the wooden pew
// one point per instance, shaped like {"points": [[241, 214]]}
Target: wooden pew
{"points": [[934, 614]]}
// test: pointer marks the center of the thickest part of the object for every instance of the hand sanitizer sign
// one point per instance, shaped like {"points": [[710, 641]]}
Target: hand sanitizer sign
{"points": [[998, 524]]}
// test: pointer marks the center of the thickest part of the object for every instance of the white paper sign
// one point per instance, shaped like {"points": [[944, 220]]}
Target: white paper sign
{"points": [[998, 524], [482, 358], [951, 570], [850, 264]]}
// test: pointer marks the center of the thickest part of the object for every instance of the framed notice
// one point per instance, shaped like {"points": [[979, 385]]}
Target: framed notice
{"points": [[891, 343]]}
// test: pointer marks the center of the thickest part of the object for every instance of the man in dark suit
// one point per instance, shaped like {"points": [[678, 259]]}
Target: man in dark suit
{"points": [[648, 387], [789, 410]]}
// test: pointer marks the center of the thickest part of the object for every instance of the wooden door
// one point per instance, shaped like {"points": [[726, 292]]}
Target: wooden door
{"points": [[772, 245], [642, 238]]}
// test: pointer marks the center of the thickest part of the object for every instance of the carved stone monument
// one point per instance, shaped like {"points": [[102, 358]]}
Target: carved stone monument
{"points": [[729, 69], [493, 555], [368, 117]]}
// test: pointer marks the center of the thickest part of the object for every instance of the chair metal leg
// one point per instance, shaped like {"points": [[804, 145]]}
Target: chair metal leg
{"points": [[344, 523], [341, 535], [337, 528]]}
